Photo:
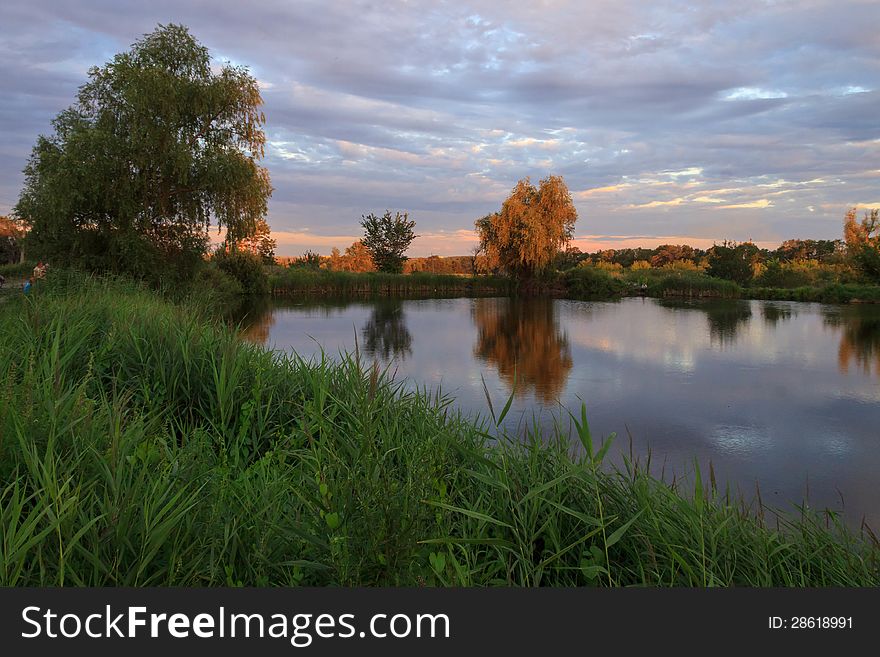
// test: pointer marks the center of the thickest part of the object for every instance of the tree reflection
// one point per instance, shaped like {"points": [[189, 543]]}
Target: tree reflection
{"points": [[726, 319], [385, 334], [774, 314], [255, 317], [522, 338], [859, 338]]}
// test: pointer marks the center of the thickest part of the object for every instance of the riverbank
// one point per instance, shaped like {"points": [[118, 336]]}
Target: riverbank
{"points": [[143, 444], [583, 283], [288, 281]]}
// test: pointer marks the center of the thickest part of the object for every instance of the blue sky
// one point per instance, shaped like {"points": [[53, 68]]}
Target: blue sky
{"points": [[670, 121]]}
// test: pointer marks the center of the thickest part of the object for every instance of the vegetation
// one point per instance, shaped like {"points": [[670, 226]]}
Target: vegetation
{"points": [[11, 234], [732, 262], [154, 147], [260, 243], [143, 446], [311, 281], [244, 267], [357, 258], [863, 242], [387, 238], [523, 239], [588, 282]]}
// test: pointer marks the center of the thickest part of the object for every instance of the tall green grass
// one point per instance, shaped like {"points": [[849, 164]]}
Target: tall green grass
{"points": [[17, 269], [300, 280], [142, 445], [836, 293]]}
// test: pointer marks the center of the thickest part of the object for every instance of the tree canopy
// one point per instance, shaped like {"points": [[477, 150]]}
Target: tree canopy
{"points": [[260, 243], [156, 147], [387, 238], [863, 242], [733, 261], [532, 226]]}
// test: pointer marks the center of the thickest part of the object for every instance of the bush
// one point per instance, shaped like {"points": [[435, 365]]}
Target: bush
{"points": [[246, 268], [588, 282], [212, 287]]}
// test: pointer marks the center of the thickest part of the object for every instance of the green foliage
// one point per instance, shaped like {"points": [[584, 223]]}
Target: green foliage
{"points": [[214, 288], [694, 284], [244, 267], [309, 260], [143, 447], [309, 281], [834, 293], [387, 238], [18, 269], [588, 282], [732, 262], [863, 243], [156, 145]]}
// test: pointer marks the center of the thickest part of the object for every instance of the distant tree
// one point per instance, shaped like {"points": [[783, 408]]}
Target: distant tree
{"points": [[863, 242], [260, 243], [334, 261], [308, 260], [568, 258], [387, 238], [669, 253], [821, 250], [12, 234], [733, 261], [532, 226], [157, 147]]}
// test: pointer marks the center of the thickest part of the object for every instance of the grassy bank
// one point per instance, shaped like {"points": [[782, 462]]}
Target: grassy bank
{"points": [[142, 445], [293, 280], [596, 283]]}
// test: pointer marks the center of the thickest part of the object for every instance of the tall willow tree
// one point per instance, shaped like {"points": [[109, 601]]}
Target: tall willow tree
{"points": [[156, 147], [533, 225]]}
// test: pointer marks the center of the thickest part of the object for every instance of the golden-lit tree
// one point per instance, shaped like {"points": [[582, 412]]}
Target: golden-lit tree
{"points": [[356, 258], [260, 243], [863, 242], [532, 226], [522, 339]]}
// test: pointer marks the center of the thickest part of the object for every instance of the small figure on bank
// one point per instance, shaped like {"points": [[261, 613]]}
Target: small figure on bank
{"points": [[29, 283]]}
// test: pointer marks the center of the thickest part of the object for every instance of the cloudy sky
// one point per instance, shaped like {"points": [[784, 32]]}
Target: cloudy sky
{"points": [[670, 121]]}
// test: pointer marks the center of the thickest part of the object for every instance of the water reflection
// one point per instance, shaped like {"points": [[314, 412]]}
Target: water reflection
{"points": [[521, 338], [726, 318], [859, 338], [773, 313], [385, 333], [794, 400], [255, 318]]}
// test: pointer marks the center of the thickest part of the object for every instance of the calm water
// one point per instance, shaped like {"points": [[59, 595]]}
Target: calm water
{"points": [[783, 394]]}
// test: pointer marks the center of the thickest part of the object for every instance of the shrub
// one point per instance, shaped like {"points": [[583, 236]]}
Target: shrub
{"points": [[588, 282], [213, 287], [246, 268]]}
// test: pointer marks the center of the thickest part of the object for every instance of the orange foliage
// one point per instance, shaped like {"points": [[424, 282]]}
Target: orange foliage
{"points": [[522, 339]]}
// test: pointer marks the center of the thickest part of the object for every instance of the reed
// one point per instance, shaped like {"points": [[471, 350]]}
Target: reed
{"points": [[142, 444], [294, 280]]}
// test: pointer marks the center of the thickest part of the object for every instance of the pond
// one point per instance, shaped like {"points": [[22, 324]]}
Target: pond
{"points": [[780, 395]]}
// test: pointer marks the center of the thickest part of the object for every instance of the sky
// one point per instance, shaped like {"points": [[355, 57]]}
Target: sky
{"points": [[671, 122]]}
